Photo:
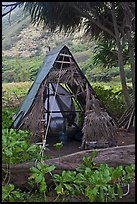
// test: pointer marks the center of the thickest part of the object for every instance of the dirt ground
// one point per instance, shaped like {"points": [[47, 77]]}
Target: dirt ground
{"points": [[123, 138]]}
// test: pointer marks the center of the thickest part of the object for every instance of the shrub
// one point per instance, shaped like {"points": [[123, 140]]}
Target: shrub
{"points": [[6, 117], [9, 193], [16, 147], [112, 97], [94, 183]]}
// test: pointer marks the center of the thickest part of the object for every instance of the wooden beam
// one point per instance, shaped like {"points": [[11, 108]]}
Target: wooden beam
{"points": [[65, 62], [65, 55], [58, 71], [63, 111]]}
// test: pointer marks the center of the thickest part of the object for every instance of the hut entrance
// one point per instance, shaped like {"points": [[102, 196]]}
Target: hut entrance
{"points": [[61, 116]]}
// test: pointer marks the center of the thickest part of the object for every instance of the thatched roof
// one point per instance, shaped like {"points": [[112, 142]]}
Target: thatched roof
{"points": [[44, 70]]}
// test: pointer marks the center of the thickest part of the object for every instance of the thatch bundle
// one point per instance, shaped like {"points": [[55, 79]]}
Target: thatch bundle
{"points": [[98, 126]]}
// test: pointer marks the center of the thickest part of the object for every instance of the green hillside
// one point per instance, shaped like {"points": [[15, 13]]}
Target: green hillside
{"points": [[21, 39], [11, 28], [24, 47]]}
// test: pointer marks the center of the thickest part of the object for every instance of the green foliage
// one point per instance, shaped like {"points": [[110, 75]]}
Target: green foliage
{"points": [[58, 145], [13, 94], [87, 162], [9, 193], [31, 196], [12, 194], [20, 69], [38, 176], [105, 77], [112, 97], [6, 117], [16, 147], [63, 182], [80, 47], [105, 53], [94, 183]]}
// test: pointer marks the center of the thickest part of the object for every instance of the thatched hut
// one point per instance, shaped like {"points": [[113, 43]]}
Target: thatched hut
{"points": [[57, 97]]}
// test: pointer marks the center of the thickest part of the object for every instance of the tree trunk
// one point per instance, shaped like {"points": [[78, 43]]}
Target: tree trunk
{"points": [[120, 59], [128, 30], [123, 78], [131, 57]]}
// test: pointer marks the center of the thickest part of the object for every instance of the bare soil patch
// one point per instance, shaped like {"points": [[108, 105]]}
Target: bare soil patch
{"points": [[123, 138]]}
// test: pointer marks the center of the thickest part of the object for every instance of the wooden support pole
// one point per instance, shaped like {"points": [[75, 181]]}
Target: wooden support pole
{"points": [[87, 97]]}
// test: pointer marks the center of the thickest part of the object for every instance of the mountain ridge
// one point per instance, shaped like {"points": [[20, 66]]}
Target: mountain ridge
{"points": [[22, 39]]}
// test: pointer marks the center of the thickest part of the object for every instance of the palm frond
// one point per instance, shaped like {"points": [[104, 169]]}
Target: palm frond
{"points": [[54, 15]]}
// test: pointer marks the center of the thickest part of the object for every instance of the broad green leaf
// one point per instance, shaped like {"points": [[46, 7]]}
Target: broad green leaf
{"points": [[13, 143], [11, 199], [19, 149], [91, 194], [68, 187], [56, 177], [93, 155], [130, 169], [87, 170], [117, 173], [95, 190], [58, 145], [8, 152], [85, 159], [43, 187], [17, 194], [111, 192], [50, 168], [33, 176], [103, 166], [9, 187], [39, 178], [101, 194], [32, 148], [35, 170], [59, 189], [40, 165], [120, 192]]}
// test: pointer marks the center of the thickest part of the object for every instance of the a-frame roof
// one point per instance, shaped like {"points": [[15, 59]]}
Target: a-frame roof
{"points": [[47, 65]]}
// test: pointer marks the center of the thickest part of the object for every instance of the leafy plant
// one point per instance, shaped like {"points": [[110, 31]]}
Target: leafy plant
{"points": [[112, 97], [6, 117], [58, 145], [38, 176], [16, 147], [64, 180], [94, 183], [9, 194]]}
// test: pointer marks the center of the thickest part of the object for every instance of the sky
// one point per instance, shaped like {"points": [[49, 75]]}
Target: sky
{"points": [[6, 9]]}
